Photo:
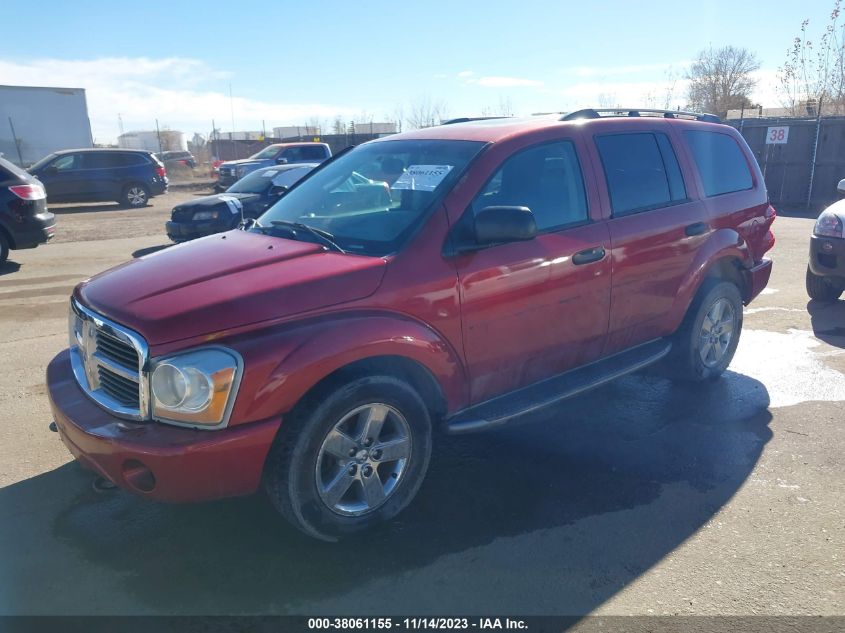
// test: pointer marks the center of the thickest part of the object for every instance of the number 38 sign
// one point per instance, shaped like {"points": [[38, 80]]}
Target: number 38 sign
{"points": [[777, 135]]}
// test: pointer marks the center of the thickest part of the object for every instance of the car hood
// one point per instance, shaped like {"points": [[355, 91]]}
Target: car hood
{"points": [[233, 200], [226, 281], [246, 161]]}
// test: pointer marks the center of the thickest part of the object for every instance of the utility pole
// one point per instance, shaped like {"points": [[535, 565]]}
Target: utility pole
{"points": [[232, 108], [158, 134], [17, 142]]}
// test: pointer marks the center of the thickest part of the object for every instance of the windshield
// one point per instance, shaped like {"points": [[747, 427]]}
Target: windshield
{"points": [[260, 180], [267, 152], [372, 198], [43, 161]]}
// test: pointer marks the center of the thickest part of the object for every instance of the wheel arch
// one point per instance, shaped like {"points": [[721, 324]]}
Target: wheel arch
{"points": [[726, 256]]}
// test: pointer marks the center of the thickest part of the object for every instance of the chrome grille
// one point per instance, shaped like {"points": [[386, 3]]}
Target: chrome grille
{"points": [[116, 350], [109, 362]]}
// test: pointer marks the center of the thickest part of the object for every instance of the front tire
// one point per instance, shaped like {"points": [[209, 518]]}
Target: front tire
{"points": [[350, 456], [708, 338], [823, 288], [135, 196]]}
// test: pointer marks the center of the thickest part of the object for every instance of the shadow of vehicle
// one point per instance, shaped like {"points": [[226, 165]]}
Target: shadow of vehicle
{"points": [[8, 267], [828, 321], [149, 250], [554, 516], [68, 209]]}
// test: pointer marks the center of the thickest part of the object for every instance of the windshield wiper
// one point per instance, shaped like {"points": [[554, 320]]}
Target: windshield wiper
{"points": [[324, 237]]}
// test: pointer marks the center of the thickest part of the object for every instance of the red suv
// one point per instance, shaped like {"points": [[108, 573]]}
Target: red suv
{"points": [[449, 278]]}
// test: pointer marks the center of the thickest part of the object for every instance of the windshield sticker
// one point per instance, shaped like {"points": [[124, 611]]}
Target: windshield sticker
{"points": [[422, 177], [233, 203]]}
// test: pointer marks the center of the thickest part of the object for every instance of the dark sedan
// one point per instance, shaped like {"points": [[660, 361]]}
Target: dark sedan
{"points": [[249, 197], [25, 221]]}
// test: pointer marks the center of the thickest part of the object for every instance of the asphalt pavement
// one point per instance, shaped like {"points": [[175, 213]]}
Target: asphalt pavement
{"points": [[638, 498]]}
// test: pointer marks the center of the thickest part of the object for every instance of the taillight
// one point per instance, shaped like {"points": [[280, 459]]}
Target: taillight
{"points": [[771, 214], [29, 192], [161, 171]]}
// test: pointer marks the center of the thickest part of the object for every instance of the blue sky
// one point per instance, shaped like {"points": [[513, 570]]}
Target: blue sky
{"points": [[288, 62]]}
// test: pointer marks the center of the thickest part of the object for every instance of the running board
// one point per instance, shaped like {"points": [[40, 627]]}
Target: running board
{"points": [[504, 409]]}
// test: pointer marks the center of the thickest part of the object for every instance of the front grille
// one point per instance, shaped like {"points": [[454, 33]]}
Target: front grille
{"points": [[109, 361], [226, 171], [119, 351], [122, 389]]}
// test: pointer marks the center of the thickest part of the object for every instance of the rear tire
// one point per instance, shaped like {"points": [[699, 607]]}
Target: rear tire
{"points": [[823, 288], [4, 247], [706, 342], [324, 476], [135, 196]]}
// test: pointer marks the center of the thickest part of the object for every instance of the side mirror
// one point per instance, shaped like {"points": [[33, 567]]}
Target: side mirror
{"points": [[497, 225], [51, 170], [841, 186], [277, 190], [281, 161]]}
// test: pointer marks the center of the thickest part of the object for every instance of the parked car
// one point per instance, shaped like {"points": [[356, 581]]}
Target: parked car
{"points": [[826, 270], [248, 198], [25, 221], [177, 160], [278, 154], [130, 177], [507, 265]]}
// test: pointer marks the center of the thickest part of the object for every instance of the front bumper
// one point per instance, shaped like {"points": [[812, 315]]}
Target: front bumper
{"points": [[827, 256], [182, 231], [161, 462]]}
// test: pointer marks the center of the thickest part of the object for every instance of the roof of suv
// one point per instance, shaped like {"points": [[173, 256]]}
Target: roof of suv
{"points": [[100, 149], [493, 130]]}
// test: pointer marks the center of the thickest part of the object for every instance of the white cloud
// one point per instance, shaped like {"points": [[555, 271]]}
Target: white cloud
{"points": [[173, 90], [465, 73], [507, 82]]}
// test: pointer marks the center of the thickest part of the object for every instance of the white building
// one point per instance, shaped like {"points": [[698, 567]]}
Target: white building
{"points": [[154, 141], [44, 120]]}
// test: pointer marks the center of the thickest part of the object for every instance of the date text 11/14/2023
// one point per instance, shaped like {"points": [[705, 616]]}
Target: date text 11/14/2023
{"points": [[421, 623]]}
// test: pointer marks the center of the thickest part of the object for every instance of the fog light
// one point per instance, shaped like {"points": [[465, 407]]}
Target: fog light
{"points": [[137, 476]]}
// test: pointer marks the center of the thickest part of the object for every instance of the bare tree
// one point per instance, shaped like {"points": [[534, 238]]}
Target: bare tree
{"points": [[721, 79], [814, 73], [338, 126], [397, 117], [426, 113], [607, 100]]}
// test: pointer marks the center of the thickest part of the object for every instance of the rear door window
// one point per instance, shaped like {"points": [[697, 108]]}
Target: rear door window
{"points": [[102, 160], [720, 161], [642, 172], [313, 152]]}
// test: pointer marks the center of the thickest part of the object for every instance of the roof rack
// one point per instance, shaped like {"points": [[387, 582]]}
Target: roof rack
{"points": [[467, 119], [592, 113]]}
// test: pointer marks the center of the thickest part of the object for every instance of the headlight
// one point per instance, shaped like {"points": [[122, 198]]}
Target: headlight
{"points": [[195, 388], [206, 215], [240, 171], [828, 225]]}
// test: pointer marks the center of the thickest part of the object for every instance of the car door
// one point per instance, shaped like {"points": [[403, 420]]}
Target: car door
{"points": [[656, 227], [103, 174], [61, 177], [533, 309]]}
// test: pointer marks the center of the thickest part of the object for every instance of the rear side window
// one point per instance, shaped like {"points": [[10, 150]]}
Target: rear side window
{"points": [[102, 160], [642, 172], [547, 179], [313, 152], [720, 161], [130, 160]]}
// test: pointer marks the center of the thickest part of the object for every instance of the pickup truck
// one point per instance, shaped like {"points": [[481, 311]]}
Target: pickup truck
{"points": [[451, 279], [278, 154]]}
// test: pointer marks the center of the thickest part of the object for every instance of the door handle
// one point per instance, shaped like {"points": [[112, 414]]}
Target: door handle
{"points": [[698, 228], [588, 256]]}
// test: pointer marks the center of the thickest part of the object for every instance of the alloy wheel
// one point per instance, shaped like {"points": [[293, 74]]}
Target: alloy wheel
{"points": [[717, 330], [362, 459]]}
